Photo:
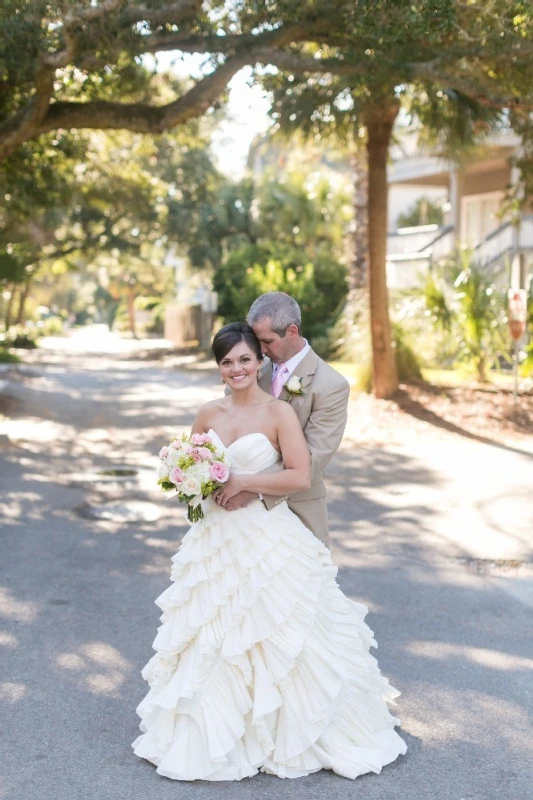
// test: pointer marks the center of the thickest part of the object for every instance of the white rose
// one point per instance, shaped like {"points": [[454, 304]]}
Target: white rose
{"points": [[162, 472], [172, 459], [293, 384], [191, 485], [204, 471]]}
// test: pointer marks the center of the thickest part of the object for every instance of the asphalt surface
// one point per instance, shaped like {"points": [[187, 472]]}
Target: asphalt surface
{"points": [[436, 538]]}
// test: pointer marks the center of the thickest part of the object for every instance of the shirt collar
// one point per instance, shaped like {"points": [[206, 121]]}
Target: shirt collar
{"points": [[293, 362]]}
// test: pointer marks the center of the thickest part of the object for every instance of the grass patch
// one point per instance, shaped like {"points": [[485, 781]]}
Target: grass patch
{"points": [[449, 378], [459, 377], [8, 358]]}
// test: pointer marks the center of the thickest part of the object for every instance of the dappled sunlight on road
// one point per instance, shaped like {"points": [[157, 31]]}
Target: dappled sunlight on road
{"points": [[485, 657], [160, 544], [38, 431], [18, 610], [97, 666], [98, 338], [460, 722], [12, 692], [461, 503], [16, 505], [8, 640]]}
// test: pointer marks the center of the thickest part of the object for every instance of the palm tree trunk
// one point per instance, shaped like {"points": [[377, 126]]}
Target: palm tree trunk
{"points": [[379, 122]]}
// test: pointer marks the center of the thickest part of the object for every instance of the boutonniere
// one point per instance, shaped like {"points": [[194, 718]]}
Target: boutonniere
{"points": [[293, 387]]}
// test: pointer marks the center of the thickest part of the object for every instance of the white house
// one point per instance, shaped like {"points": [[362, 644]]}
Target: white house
{"points": [[473, 194]]}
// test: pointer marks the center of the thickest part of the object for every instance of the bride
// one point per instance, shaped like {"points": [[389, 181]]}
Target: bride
{"points": [[261, 663]]}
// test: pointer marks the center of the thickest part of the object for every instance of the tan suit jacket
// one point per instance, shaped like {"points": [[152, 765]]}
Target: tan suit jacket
{"points": [[322, 410]]}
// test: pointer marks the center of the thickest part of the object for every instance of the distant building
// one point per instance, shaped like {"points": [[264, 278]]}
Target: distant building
{"points": [[473, 196]]}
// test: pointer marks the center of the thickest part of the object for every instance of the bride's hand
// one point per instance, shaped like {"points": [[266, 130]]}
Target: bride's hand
{"points": [[233, 486]]}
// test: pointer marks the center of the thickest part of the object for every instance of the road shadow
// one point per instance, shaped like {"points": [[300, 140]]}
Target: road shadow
{"points": [[78, 619], [421, 412]]}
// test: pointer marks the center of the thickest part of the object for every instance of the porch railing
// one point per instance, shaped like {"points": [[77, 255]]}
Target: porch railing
{"points": [[405, 266]]}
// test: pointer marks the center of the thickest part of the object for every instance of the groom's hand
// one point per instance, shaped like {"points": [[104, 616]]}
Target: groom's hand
{"points": [[240, 500]]}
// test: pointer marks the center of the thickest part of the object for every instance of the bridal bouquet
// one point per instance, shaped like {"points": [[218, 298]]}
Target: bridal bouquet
{"points": [[193, 468]]}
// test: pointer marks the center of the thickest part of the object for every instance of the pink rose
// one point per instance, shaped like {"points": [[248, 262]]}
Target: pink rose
{"points": [[200, 438], [193, 451], [163, 453], [176, 475], [204, 453], [219, 472]]}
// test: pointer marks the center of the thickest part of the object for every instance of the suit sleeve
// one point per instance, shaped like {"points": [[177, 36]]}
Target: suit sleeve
{"points": [[323, 431], [325, 427]]}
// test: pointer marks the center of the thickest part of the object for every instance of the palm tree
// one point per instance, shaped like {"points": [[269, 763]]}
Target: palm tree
{"points": [[361, 119]]}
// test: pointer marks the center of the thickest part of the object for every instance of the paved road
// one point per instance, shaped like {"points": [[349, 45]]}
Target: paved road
{"points": [[434, 538]]}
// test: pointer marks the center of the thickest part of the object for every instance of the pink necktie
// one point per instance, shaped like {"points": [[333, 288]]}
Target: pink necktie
{"points": [[279, 379]]}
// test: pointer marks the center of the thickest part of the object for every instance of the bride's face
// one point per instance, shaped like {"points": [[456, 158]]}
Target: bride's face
{"points": [[239, 367]]}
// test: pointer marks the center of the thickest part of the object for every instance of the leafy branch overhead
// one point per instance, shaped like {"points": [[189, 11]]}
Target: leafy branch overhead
{"points": [[77, 64]]}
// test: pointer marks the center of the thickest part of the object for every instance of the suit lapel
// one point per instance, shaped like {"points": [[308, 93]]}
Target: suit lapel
{"points": [[265, 378], [304, 370]]}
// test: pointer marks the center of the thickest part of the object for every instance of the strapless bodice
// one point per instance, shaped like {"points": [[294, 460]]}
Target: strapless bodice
{"points": [[248, 454]]}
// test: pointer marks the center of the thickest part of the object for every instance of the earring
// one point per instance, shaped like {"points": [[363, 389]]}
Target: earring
{"points": [[258, 373]]}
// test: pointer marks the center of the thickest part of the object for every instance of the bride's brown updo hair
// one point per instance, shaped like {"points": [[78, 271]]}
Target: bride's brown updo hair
{"points": [[230, 335]]}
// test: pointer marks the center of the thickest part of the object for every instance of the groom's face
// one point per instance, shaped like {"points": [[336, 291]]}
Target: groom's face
{"points": [[278, 348]]}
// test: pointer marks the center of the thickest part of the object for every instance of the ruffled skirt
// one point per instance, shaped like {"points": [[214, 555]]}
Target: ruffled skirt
{"points": [[261, 662]]}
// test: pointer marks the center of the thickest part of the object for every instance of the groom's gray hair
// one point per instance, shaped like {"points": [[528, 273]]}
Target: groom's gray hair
{"points": [[280, 309]]}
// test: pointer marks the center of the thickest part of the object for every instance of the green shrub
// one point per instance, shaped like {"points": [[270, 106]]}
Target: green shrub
{"points": [[526, 366], [19, 336], [8, 358], [51, 326], [146, 303], [318, 284], [407, 361], [458, 316], [157, 325]]}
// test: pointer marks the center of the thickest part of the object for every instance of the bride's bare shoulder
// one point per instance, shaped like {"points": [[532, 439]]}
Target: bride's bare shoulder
{"points": [[214, 405], [207, 413], [283, 411]]}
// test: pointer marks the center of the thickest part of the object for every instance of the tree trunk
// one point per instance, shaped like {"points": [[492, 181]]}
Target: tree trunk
{"points": [[379, 121], [24, 292], [9, 309], [131, 310], [481, 364], [359, 271], [354, 330]]}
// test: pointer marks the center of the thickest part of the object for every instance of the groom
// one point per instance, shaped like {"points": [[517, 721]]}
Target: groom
{"points": [[317, 392]]}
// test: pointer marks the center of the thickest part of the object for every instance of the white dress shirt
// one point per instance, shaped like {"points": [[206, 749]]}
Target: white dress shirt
{"points": [[293, 362]]}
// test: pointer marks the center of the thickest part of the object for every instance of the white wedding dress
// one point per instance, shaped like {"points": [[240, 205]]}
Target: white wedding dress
{"points": [[262, 662]]}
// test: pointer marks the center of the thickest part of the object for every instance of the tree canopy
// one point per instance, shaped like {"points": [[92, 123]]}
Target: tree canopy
{"points": [[83, 66]]}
